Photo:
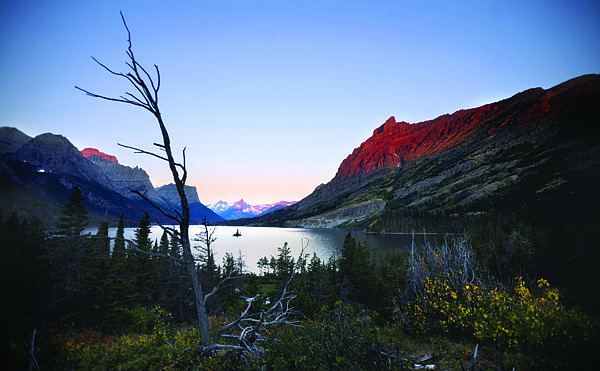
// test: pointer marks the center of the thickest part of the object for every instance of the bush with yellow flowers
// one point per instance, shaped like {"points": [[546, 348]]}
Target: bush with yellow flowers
{"points": [[446, 294], [514, 319]]}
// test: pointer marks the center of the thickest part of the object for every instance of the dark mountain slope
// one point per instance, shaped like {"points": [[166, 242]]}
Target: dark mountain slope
{"points": [[37, 175], [55, 154], [11, 139], [197, 210]]}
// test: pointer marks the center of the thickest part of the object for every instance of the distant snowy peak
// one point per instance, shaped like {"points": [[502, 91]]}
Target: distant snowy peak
{"points": [[220, 206], [241, 209]]}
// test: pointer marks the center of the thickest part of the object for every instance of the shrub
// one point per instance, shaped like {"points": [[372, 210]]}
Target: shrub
{"points": [[156, 345], [344, 339], [446, 295], [538, 325]]}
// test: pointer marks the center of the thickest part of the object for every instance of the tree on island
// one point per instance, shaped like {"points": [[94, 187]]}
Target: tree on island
{"points": [[146, 97]]}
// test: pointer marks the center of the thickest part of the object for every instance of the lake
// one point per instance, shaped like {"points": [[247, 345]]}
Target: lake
{"points": [[257, 242]]}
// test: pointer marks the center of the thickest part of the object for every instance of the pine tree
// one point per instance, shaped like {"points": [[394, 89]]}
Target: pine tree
{"points": [[319, 283], [91, 292], [142, 233], [120, 293], [162, 275], [119, 246], [102, 241], [285, 263], [356, 271], [180, 294], [26, 285], [140, 265], [74, 217], [69, 247]]}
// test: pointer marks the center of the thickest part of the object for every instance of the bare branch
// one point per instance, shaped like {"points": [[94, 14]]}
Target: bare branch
{"points": [[143, 151], [133, 247], [184, 176], [135, 98], [214, 291], [108, 69], [121, 99], [157, 82], [155, 206], [237, 321], [172, 232]]}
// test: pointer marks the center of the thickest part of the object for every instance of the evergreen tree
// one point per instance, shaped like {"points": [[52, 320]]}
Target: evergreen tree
{"points": [[227, 297], [175, 248], [142, 233], [74, 216], [140, 265], [180, 287], [119, 292], [102, 240], [25, 272], [284, 263], [164, 244], [347, 267], [119, 246], [263, 265], [319, 283], [162, 276], [69, 247], [356, 271], [91, 292]]}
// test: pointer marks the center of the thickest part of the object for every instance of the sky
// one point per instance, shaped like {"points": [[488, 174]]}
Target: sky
{"points": [[269, 97]]}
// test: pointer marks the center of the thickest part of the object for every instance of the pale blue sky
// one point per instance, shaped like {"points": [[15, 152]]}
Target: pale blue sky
{"points": [[270, 96]]}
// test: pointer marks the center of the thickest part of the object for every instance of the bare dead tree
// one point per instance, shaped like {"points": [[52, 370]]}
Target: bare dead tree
{"points": [[146, 96], [250, 324], [452, 260], [206, 238]]}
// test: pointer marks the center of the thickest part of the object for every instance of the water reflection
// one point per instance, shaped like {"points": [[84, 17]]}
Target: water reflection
{"points": [[256, 242]]}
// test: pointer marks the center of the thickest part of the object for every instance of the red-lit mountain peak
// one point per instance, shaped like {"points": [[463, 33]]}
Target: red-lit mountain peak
{"points": [[89, 152], [526, 114]]}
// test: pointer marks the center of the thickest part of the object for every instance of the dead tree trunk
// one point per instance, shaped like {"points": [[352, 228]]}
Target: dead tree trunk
{"points": [[146, 96], [249, 323]]}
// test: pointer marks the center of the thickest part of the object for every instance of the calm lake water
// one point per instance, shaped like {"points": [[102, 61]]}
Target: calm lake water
{"points": [[257, 242]]}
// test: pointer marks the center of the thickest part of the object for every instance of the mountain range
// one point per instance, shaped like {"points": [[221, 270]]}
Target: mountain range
{"points": [[534, 147], [537, 148], [240, 209], [38, 174]]}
